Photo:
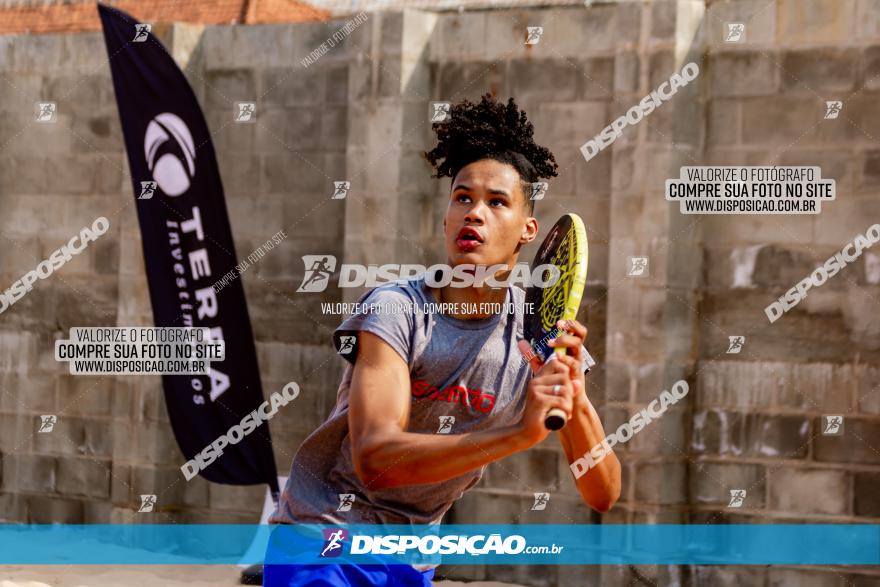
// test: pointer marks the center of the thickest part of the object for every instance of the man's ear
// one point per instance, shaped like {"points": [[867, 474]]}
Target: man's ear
{"points": [[529, 231]]}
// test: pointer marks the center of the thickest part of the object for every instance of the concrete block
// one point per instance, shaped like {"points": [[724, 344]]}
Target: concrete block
{"points": [[729, 576], [85, 395], [819, 70], [724, 125], [663, 17], [20, 92], [165, 482], [543, 80], [334, 128], [459, 37], [534, 470], [744, 74], [52, 510], [780, 121], [285, 86], [295, 173], [661, 483], [750, 435], [777, 577], [459, 80], [598, 75], [627, 22], [236, 498], [855, 445], [809, 491], [29, 472], [866, 499], [225, 47], [96, 134], [815, 21], [120, 484], [67, 438], [868, 389], [86, 477], [712, 482], [571, 125]]}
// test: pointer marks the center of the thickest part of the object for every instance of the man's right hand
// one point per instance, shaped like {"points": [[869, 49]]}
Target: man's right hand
{"points": [[540, 398]]}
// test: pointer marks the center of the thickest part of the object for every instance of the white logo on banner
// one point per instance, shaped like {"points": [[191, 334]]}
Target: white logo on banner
{"points": [[168, 170]]}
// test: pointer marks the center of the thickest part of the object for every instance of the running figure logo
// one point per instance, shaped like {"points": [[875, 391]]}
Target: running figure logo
{"points": [[346, 500], [346, 344], [47, 423], [541, 500], [147, 503], [446, 423], [735, 31], [534, 35], [832, 109], [637, 266], [333, 542], [539, 188], [141, 32], [340, 189], [148, 188], [833, 425], [319, 268], [46, 111], [245, 112], [737, 497], [736, 344], [440, 111]]}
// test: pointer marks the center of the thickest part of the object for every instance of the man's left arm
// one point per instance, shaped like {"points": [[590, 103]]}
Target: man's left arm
{"points": [[600, 485]]}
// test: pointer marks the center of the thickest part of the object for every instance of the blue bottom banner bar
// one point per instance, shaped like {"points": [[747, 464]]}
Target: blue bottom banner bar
{"points": [[643, 544]]}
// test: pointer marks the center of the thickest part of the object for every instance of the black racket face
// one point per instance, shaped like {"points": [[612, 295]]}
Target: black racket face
{"points": [[560, 249]]}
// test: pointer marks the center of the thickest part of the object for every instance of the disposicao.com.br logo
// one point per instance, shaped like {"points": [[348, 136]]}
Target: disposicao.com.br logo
{"points": [[320, 268], [403, 544]]}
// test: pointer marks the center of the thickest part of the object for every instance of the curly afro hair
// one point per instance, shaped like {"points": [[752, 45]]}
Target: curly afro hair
{"points": [[490, 130]]}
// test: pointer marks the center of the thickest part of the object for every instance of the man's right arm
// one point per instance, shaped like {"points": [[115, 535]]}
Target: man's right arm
{"points": [[385, 455]]}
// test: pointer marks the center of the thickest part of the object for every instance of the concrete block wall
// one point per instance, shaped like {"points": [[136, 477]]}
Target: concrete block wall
{"points": [[361, 113]]}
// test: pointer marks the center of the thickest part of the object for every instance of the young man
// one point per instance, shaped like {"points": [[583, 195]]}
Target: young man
{"points": [[410, 371]]}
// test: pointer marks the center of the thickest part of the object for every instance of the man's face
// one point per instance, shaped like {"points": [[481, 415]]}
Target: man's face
{"points": [[487, 219]]}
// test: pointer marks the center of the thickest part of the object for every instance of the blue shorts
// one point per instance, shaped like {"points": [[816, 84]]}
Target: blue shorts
{"points": [[380, 571], [345, 575]]}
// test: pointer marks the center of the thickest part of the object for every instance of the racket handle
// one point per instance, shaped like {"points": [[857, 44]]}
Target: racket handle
{"points": [[555, 419]]}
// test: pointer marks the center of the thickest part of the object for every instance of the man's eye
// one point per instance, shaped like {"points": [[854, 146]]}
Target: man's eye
{"points": [[497, 201], [463, 199]]}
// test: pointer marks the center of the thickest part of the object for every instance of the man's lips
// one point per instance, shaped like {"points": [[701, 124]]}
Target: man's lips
{"points": [[468, 239]]}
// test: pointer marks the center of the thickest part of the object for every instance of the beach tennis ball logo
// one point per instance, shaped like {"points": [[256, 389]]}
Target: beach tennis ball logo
{"points": [[333, 540], [170, 153], [319, 268]]}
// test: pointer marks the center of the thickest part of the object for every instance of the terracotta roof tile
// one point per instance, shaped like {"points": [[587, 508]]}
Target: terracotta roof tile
{"points": [[59, 17]]}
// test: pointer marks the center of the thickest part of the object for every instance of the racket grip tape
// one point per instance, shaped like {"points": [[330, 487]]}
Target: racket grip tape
{"points": [[555, 418]]}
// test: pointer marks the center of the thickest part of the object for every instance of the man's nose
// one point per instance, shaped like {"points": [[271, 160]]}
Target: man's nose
{"points": [[475, 213]]}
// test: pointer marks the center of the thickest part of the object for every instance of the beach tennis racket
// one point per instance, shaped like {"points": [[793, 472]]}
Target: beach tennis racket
{"points": [[565, 247]]}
